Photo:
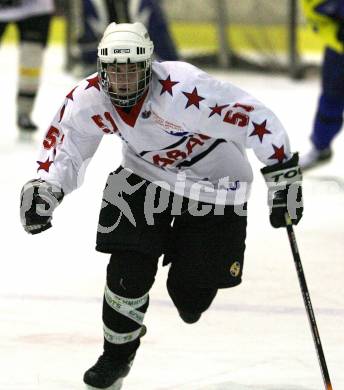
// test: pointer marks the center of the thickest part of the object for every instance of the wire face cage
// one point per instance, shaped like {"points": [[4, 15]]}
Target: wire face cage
{"points": [[125, 84]]}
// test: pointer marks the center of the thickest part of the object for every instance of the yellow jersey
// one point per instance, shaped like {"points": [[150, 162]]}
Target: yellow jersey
{"points": [[326, 27]]}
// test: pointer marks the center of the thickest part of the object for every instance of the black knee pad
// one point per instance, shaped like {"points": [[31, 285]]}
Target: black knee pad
{"points": [[190, 298], [131, 274]]}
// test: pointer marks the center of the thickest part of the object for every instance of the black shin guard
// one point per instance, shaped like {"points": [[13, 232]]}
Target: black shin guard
{"points": [[130, 275]]}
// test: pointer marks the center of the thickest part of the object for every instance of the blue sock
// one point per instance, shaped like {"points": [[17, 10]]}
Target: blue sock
{"points": [[328, 121], [329, 116]]}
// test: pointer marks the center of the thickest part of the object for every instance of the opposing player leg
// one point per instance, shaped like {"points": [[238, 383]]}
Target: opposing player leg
{"points": [[33, 39], [151, 14], [329, 116]]}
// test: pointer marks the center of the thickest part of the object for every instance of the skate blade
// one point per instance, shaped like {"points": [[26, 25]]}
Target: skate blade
{"points": [[116, 386]]}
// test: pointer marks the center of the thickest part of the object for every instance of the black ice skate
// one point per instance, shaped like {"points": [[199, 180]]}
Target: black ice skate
{"points": [[108, 372], [26, 127], [189, 318]]}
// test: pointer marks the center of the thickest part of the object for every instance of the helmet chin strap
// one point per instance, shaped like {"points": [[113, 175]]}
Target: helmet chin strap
{"points": [[127, 102], [124, 102]]}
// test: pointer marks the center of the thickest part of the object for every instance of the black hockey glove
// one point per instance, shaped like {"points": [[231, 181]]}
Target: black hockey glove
{"points": [[284, 191], [38, 200]]}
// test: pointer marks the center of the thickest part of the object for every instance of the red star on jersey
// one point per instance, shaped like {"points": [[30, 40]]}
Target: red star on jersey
{"points": [[70, 95], [167, 85], [44, 165], [193, 98], [260, 130], [93, 82], [217, 109], [279, 153]]}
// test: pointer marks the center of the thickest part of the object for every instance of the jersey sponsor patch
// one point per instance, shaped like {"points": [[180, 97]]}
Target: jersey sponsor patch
{"points": [[169, 127]]}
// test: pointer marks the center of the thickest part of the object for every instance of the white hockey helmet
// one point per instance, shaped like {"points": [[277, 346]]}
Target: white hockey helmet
{"points": [[125, 62]]}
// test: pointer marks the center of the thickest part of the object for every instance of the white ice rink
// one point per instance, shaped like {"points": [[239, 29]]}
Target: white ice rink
{"points": [[254, 337]]}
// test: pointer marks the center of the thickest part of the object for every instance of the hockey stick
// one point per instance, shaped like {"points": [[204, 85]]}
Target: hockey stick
{"points": [[308, 303]]}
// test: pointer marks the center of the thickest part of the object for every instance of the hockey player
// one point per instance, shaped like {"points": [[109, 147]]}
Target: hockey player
{"points": [[32, 17], [86, 21], [184, 138], [326, 17], [151, 14]]}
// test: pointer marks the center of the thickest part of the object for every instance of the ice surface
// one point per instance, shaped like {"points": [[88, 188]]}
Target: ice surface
{"points": [[254, 337]]}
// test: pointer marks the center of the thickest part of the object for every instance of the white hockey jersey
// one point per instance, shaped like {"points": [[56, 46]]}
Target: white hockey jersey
{"points": [[27, 8], [190, 133]]}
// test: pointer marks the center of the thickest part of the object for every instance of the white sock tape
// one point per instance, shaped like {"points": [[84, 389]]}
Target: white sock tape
{"points": [[120, 338], [126, 306]]}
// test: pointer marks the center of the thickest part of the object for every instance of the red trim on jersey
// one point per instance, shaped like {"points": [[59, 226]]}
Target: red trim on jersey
{"points": [[131, 118], [62, 112]]}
